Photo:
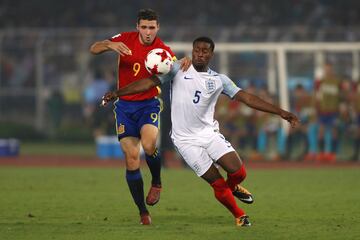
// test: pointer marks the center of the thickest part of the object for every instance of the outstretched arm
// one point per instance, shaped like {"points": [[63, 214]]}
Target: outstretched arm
{"points": [[132, 88], [107, 45], [259, 104]]}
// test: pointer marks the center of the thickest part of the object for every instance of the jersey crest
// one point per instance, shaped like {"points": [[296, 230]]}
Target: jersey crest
{"points": [[210, 85], [121, 129]]}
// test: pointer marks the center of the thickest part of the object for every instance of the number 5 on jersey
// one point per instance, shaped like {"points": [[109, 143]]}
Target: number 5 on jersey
{"points": [[197, 95]]}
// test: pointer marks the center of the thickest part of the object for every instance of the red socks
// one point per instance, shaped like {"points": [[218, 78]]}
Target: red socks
{"points": [[224, 195], [236, 177], [223, 190]]}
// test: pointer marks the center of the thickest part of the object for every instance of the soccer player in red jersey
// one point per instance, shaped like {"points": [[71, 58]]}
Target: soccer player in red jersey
{"points": [[137, 115]]}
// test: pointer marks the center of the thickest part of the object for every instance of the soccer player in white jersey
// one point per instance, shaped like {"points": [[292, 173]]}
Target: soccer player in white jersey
{"points": [[195, 132]]}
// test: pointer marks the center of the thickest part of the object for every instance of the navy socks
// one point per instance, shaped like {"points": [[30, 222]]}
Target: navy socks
{"points": [[154, 164], [136, 186]]}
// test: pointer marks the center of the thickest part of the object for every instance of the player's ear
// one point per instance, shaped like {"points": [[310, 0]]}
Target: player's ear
{"points": [[137, 26]]}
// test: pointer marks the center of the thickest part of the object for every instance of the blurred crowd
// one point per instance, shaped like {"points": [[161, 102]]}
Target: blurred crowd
{"points": [[329, 110], [73, 83], [253, 20], [111, 13], [330, 122], [52, 64]]}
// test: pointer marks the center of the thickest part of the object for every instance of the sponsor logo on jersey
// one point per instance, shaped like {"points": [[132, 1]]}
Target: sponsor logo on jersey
{"points": [[187, 78]]}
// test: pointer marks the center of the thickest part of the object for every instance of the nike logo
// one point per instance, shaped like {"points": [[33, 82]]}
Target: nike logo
{"points": [[188, 78], [248, 199]]}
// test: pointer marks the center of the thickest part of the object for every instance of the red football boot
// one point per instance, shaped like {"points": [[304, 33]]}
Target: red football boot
{"points": [[145, 219], [154, 195]]}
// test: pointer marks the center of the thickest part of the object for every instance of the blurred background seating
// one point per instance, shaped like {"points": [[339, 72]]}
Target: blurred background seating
{"points": [[48, 78]]}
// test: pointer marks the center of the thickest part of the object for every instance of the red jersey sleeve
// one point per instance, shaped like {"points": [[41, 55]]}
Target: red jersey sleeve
{"points": [[120, 37]]}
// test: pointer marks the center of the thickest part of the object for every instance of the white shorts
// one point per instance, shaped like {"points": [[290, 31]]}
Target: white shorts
{"points": [[200, 155]]}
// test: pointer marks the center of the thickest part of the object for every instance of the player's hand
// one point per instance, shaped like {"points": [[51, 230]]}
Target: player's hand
{"points": [[120, 48], [108, 97], [291, 118], [185, 63]]}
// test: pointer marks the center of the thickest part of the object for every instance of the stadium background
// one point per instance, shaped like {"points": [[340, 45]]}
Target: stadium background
{"points": [[51, 85], [49, 95]]}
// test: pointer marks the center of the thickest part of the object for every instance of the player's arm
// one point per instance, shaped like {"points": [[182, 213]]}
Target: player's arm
{"points": [[107, 45], [132, 88], [257, 103], [141, 85]]}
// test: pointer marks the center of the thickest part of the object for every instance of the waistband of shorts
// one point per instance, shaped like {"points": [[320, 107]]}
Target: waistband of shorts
{"points": [[140, 101], [150, 101]]}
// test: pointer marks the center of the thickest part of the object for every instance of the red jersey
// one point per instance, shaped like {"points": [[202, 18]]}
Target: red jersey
{"points": [[132, 68]]}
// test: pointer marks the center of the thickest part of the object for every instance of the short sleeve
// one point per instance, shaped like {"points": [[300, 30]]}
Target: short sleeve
{"points": [[170, 75], [230, 89], [117, 38]]}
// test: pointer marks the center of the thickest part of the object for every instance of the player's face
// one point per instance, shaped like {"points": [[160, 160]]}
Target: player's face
{"points": [[148, 30], [201, 55]]}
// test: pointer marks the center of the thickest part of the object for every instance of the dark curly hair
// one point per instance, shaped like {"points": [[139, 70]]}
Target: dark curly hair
{"points": [[147, 14], [207, 40]]}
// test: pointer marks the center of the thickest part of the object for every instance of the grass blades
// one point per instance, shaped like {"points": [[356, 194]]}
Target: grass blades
{"points": [[88, 203]]}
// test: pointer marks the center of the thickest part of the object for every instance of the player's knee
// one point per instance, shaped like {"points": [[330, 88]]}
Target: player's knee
{"points": [[131, 155], [149, 148], [132, 162], [219, 185], [239, 175], [242, 172]]}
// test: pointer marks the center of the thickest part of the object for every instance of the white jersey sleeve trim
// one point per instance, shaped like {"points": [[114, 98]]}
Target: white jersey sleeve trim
{"points": [[230, 89]]}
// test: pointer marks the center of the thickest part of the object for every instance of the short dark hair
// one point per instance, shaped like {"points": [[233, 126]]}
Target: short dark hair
{"points": [[207, 40], [147, 14]]}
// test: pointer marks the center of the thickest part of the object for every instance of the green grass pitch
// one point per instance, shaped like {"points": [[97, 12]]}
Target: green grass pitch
{"points": [[89, 203]]}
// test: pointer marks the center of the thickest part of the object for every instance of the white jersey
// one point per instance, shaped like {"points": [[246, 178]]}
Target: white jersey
{"points": [[193, 99]]}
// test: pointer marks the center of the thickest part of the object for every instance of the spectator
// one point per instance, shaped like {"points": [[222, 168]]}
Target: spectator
{"points": [[327, 103], [92, 97], [355, 100], [56, 106], [303, 105]]}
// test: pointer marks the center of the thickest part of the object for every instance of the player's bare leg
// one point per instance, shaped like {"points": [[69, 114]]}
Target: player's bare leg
{"points": [[236, 173], [149, 134], [224, 195], [131, 148]]}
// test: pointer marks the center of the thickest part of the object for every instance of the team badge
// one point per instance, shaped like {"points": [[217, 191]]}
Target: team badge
{"points": [[197, 168], [121, 129], [210, 85]]}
